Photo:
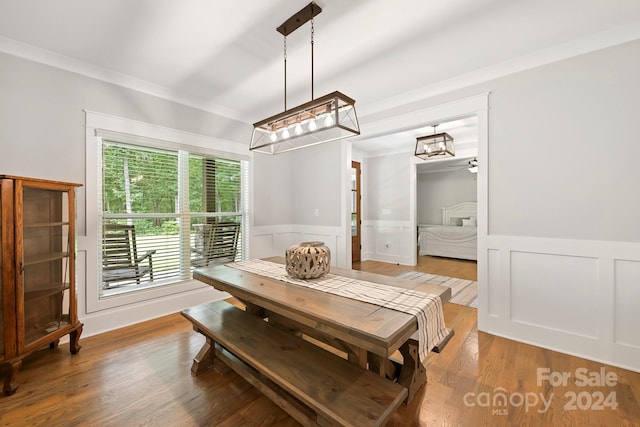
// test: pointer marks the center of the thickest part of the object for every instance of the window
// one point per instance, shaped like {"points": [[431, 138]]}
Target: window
{"points": [[158, 207]]}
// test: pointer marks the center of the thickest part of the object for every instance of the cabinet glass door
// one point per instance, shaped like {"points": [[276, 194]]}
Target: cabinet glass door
{"points": [[45, 262]]}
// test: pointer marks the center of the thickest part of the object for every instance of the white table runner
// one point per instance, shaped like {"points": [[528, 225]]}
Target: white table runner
{"points": [[426, 307]]}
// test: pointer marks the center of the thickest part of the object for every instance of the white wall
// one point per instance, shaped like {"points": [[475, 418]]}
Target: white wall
{"points": [[386, 229], [316, 180], [439, 189], [388, 194], [42, 135], [564, 148], [298, 196], [272, 195]]}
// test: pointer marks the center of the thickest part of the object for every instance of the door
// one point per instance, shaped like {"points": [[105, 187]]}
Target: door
{"points": [[356, 219]]}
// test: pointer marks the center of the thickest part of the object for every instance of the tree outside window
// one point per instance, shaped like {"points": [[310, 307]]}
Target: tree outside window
{"points": [[165, 195]]}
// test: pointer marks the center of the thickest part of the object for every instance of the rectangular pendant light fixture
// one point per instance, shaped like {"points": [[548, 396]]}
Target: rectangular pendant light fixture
{"points": [[323, 119], [437, 145], [327, 118]]}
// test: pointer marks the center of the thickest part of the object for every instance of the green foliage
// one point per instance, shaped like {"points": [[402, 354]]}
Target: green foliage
{"points": [[170, 226], [214, 185], [139, 180]]}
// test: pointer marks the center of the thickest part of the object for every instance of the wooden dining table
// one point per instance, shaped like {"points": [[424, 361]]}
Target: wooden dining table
{"points": [[366, 334]]}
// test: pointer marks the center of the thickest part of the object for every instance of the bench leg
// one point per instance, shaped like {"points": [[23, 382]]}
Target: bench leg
{"points": [[204, 358], [413, 373]]}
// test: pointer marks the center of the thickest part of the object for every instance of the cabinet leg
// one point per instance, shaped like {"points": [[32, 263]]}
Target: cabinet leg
{"points": [[10, 372], [74, 340]]}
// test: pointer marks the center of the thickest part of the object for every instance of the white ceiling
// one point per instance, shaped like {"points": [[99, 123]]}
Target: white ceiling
{"points": [[225, 56], [463, 131]]}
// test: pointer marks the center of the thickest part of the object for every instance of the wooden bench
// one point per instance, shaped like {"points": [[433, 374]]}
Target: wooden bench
{"points": [[313, 385]]}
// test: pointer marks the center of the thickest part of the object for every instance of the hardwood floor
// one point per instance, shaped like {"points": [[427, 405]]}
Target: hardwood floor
{"points": [[462, 269], [140, 376]]}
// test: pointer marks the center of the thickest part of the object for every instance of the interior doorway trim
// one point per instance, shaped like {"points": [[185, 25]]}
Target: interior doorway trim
{"points": [[356, 209], [394, 122], [477, 106]]}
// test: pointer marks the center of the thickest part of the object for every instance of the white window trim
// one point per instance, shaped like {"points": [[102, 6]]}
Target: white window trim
{"points": [[152, 135]]}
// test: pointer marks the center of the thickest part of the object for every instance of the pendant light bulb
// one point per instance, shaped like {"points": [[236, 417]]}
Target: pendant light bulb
{"points": [[312, 125], [285, 133], [298, 129]]}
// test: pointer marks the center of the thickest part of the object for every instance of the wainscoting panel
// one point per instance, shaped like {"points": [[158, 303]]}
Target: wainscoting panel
{"points": [[574, 296], [627, 296], [283, 240], [261, 246], [268, 241], [545, 287], [494, 293], [388, 241]]}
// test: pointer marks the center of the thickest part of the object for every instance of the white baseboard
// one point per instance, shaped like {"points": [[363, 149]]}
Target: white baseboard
{"points": [[108, 320]]}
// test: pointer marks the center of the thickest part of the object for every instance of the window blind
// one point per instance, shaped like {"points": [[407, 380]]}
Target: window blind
{"points": [[165, 195]]}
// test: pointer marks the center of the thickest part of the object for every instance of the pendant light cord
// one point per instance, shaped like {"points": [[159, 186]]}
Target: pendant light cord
{"points": [[285, 62], [312, 33], [285, 73]]}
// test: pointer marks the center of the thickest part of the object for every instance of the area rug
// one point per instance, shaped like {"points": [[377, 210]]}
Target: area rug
{"points": [[463, 292]]}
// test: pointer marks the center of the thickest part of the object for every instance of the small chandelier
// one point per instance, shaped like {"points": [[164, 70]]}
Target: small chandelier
{"points": [[327, 118], [436, 145]]}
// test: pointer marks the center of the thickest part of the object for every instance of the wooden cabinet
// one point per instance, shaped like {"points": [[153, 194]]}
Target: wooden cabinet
{"points": [[37, 271]]}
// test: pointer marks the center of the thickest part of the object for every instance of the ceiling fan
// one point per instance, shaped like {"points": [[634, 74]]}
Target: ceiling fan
{"points": [[471, 165]]}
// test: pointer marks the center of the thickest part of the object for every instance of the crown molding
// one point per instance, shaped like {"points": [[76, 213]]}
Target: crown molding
{"points": [[552, 54], [559, 52], [47, 57]]}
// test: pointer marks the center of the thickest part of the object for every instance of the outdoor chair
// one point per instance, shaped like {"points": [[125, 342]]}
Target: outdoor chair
{"points": [[215, 243], [120, 260]]}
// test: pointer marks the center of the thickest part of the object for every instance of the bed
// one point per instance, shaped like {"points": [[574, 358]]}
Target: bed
{"points": [[457, 237]]}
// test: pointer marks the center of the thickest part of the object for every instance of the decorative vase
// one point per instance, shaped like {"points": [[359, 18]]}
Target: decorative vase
{"points": [[308, 260]]}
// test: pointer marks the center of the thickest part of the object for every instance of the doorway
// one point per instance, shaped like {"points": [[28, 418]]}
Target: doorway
{"points": [[356, 212], [387, 139]]}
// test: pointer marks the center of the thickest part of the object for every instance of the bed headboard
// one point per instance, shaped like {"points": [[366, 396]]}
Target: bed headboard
{"points": [[453, 215]]}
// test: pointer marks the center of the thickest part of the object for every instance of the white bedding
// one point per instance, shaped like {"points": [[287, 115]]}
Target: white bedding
{"points": [[449, 241], [457, 238], [451, 232]]}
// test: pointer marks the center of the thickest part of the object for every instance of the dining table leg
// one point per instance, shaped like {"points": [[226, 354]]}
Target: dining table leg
{"points": [[413, 373], [357, 356], [253, 308]]}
